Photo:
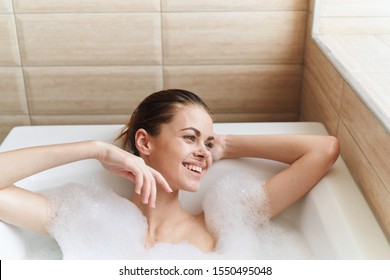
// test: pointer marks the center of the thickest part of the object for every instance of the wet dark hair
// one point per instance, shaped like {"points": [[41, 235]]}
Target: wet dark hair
{"points": [[156, 109]]}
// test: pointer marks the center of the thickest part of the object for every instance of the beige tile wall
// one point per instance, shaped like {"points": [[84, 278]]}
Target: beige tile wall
{"points": [[234, 38], [365, 142], [233, 5], [93, 61], [13, 101], [85, 6], [89, 39]]}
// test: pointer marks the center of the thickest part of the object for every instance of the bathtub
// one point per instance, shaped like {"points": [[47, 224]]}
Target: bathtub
{"points": [[333, 217]]}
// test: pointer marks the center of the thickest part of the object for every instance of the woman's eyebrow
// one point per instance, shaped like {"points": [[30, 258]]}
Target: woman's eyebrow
{"points": [[197, 132]]}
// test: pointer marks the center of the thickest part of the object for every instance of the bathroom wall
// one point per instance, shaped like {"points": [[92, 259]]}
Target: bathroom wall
{"points": [[86, 62], [332, 95]]}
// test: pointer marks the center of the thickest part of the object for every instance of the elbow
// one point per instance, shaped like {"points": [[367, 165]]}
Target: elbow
{"points": [[331, 149]]}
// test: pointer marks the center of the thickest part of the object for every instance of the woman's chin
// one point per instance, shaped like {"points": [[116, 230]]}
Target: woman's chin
{"points": [[191, 188]]}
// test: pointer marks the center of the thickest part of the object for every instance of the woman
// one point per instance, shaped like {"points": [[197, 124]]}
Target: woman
{"points": [[171, 146]]}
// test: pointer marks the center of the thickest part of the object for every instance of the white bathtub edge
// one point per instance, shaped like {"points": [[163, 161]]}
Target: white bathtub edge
{"points": [[356, 234]]}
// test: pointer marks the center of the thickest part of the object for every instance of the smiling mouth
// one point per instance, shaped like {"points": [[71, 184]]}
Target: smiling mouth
{"points": [[194, 168]]}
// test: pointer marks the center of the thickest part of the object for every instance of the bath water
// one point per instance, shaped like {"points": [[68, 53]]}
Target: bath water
{"points": [[92, 222]]}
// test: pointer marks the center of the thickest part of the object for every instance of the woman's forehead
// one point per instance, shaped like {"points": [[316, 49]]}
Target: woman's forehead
{"points": [[193, 116]]}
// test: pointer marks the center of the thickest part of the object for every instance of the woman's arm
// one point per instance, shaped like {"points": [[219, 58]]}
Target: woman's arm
{"points": [[30, 210], [18, 164], [24, 208], [309, 157]]}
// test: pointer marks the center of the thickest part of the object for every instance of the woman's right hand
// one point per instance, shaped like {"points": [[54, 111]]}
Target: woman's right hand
{"points": [[125, 164]]}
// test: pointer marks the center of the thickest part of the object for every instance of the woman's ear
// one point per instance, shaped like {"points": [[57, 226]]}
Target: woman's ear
{"points": [[142, 141]]}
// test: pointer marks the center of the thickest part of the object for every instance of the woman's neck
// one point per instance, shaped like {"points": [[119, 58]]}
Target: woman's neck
{"points": [[164, 217], [170, 224]]}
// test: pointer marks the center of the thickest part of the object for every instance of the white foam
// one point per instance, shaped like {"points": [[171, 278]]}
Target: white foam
{"points": [[237, 211], [92, 222], [39, 247]]}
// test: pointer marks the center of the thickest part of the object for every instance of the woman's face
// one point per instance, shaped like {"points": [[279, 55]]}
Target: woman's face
{"points": [[181, 152]]}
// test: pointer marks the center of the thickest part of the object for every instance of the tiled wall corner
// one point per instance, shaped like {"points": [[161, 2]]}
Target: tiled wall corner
{"points": [[365, 142], [315, 105], [324, 72], [374, 189], [371, 136]]}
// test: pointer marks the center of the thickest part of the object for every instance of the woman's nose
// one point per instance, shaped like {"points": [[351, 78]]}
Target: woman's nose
{"points": [[203, 151]]}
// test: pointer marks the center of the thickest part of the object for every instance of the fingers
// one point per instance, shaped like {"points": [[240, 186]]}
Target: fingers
{"points": [[139, 181], [134, 168], [161, 180], [147, 180], [152, 197]]}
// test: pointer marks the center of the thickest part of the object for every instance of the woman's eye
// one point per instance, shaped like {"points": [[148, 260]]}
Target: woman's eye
{"points": [[209, 145], [190, 137]]}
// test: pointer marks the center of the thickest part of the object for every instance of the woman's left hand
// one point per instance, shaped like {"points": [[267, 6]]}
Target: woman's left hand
{"points": [[217, 151]]}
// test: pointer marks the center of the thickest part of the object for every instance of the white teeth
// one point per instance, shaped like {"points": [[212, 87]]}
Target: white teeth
{"points": [[194, 168]]}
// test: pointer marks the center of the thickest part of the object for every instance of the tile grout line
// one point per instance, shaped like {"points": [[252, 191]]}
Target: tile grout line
{"points": [[21, 63], [162, 44]]}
